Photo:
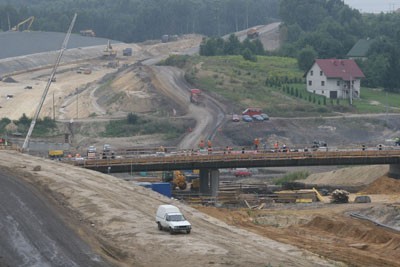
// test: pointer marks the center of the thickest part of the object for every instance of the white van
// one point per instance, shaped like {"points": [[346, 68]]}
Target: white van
{"points": [[170, 218]]}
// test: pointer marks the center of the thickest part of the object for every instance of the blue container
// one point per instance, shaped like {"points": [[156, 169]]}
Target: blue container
{"points": [[162, 188]]}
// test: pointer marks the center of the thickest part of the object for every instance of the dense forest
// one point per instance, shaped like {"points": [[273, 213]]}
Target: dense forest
{"points": [[310, 28], [139, 20], [329, 28]]}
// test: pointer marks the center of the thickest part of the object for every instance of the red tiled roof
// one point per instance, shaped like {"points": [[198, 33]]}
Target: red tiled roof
{"points": [[340, 68]]}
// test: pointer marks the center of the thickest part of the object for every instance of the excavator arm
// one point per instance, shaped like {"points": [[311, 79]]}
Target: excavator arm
{"points": [[28, 20]]}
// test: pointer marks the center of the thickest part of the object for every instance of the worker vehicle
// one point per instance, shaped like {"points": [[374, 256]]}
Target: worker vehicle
{"points": [[107, 152], [127, 52], [247, 118], [318, 144], [176, 178], [89, 33], [257, 117], [265, 116], [242, 172], [252, 33], [56, 154], [397, 141], [169, 217], [235, 118], [91, 152], [195, 96]]}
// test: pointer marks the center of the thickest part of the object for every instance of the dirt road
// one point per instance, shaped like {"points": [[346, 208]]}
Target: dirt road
{"points": [[120, 216]]}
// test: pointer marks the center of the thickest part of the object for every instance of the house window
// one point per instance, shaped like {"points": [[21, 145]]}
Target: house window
{"points": [[314, 92], [312, 73], [338, 83], [309, 82], [322, 91], [322, 83], [320, 73]]}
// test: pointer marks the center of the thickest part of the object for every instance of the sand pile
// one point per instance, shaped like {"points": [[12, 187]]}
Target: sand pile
{"points": [[383, 185]]}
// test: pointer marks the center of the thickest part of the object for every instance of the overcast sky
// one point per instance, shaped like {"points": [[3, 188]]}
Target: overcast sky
{"points": [[374, 6]]}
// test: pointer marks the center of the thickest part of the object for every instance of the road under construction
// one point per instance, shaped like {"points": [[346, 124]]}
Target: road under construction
{"points": [[210, 164]]}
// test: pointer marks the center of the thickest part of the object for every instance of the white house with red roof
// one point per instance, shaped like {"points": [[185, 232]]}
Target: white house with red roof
{"points": [[334, 78]]}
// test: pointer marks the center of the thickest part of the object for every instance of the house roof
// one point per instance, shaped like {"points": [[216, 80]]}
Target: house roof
{"points": [[346, 69], [360, 49]]}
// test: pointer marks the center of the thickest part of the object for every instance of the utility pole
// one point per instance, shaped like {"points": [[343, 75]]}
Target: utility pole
{"points": [[351, 91], [39, 108], [54, 112], [77, 111]]}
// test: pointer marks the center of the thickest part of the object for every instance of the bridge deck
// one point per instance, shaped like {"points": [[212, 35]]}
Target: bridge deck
{"points": [[239, 160]]}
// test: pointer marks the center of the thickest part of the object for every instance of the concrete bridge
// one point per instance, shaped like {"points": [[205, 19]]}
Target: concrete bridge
{"points": [[210, 164]]}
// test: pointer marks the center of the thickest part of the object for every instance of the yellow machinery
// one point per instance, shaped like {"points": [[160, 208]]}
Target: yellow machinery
{"points": [[29, 20], [176, 178], [109, 52], [56, 154]]}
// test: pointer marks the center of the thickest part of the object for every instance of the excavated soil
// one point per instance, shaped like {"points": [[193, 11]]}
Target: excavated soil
{"points": [[383, 185]]}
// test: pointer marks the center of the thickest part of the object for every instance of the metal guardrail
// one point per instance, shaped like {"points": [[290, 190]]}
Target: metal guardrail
{"points": [[221, 159]]}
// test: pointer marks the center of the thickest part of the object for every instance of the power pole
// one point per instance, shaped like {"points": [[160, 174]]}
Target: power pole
{"points": [[63, 47]]}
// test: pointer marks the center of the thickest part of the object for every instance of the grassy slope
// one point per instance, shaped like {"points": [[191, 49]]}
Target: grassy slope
{"points": [[244, 82]]}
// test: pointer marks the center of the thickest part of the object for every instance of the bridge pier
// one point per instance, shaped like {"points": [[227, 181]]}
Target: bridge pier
{"points": [[209, 182], [394, 171]]}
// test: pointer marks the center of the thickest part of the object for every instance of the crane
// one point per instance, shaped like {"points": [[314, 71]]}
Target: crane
{"points": [[63, 47], [28, 20]]}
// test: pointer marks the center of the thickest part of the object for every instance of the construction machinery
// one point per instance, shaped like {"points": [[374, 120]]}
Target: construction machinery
{"points": [[52, 76], [88, 33], [195, 96], [56, 154], [109, 52], [252, 33], [176, 178], [28, 21]]}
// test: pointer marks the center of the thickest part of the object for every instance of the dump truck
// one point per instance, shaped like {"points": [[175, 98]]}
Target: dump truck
{"points": [[195, 96], [252, 33]]}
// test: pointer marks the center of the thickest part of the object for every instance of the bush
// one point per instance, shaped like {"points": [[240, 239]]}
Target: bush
{"points": [[290, 177], [132, 118]]}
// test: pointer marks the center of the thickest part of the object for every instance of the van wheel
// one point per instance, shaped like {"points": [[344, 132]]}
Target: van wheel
{"points": [[159, 226], [188, 231], [171, 231]]}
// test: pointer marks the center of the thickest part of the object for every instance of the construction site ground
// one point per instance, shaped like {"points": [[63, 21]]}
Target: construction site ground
{"points": [[117, 217]]}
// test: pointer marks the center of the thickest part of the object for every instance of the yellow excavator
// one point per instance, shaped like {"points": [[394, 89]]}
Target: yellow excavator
{"points": [[29, 22], [176, 178]]}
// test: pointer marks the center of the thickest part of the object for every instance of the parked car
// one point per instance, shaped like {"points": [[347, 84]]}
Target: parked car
{"points": [[235, 118], [257, 118], [247, 118], [242, 172], [265, 116]]}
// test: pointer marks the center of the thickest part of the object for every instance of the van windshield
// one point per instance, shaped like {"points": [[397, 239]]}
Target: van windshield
{"points": [[175, 218]]}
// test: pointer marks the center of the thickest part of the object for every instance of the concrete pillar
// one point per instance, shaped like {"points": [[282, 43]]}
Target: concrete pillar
{"points": [[204, 181], [394, 171], [214, 182]]}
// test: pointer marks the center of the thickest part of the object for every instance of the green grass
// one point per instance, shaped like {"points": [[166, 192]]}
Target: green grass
{"points": [[122, 128], [244, 83], [377, 101], [291, 177]]}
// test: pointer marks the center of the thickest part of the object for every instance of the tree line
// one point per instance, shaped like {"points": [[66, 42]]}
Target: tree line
{"points": [[329, 29], [139, 20]]}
